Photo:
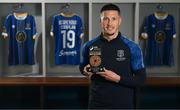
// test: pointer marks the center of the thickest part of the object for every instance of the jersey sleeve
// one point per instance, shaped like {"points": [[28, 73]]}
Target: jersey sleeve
{"points": [[144, 32], [6, 26], [84, 60], [34, 29], [52, 31], [145, 26], [173, 26], [80, 27]]}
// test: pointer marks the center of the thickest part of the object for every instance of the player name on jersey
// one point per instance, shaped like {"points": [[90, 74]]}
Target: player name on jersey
{"points": [[68, 24]]}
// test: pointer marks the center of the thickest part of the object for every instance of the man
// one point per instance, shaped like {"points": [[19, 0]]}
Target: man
{"points": [[122, 62]]}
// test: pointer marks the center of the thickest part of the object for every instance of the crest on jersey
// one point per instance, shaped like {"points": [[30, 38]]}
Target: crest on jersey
{"points": [[167, 26], [28, 26], [160, 36], [120, 55], [21, 37]]}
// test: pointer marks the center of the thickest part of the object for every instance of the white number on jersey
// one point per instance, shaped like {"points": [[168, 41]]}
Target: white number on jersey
{"points": [[68, 38]]}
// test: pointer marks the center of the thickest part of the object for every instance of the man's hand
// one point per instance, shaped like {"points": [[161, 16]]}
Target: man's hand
{"points": [[110, 75], [89, 74]]}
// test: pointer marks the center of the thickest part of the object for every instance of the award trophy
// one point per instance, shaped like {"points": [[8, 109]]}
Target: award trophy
{"points": [[95, 60]]}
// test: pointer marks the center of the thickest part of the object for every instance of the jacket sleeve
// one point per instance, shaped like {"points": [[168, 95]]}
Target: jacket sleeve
{"points": [[137, 68], [137, 80], [85, 58]]}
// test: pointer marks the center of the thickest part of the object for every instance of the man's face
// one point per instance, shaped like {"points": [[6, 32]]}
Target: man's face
{"points": [[110, 22]]}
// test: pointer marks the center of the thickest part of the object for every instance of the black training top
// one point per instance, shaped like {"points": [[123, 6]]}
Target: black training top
{"points": [[123, 57]]}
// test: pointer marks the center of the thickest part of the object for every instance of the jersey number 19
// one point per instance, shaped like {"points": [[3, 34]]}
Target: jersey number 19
{"points": [[68, 38]]}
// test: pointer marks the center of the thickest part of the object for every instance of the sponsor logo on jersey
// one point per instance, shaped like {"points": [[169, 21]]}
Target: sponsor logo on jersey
{"points": [[160, 36], [67, 53], [120, 55], [20, 37]]}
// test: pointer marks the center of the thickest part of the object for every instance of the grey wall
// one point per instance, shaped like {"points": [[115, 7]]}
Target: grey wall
{"points": [[127, 12]]}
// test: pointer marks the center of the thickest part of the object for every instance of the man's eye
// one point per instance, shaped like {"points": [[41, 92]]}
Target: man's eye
{"points": [[105, 19], [113, 18]]}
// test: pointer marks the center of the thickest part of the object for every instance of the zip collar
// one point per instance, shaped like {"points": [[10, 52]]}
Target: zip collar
{"points": [[105, 40]]}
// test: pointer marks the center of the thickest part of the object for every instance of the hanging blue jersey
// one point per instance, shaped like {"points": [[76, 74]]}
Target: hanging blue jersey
{"points": [[159, 46], [20, 31], [67, 32]]}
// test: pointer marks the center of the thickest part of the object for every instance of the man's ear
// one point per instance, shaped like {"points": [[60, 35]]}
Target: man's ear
{"points": [[120, 20]]}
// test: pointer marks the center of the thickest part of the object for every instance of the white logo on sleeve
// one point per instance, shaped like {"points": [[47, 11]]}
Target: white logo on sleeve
{"points": [[13, 26], [120, 55]]}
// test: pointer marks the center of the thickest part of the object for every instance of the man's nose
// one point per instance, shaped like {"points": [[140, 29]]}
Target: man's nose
{"points": [[109, 22]]}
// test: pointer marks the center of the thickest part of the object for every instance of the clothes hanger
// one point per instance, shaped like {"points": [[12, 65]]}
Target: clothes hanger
{"points": [[66, 11], [66, 8], [160, 11], [19, 10]]}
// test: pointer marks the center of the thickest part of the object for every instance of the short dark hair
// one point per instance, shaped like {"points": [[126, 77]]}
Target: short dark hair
{"points": [[110, 6]]}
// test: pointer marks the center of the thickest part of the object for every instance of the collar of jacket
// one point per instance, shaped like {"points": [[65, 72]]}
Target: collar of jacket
{"points": [[103, 39]]}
